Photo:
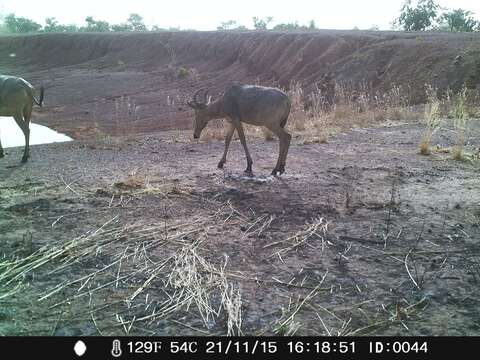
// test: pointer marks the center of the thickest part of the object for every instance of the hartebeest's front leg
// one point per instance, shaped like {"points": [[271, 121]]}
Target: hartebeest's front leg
{"points": [[228, 139], [241, 135], [1, 151]]}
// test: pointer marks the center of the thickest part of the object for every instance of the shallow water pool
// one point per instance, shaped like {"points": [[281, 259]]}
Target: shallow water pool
{"points": [[11, 135]]}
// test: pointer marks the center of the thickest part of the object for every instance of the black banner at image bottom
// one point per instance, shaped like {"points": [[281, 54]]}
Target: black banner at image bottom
{"points": [[237, 347]]}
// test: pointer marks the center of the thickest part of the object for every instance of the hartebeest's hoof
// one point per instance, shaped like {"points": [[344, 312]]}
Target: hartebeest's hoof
{"points": [[24, 159], [248, 172], [2, 154], [280, 170], [220, 165]]}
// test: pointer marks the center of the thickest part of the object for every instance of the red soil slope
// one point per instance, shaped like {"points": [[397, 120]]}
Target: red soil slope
{"points": [[85, 75]]}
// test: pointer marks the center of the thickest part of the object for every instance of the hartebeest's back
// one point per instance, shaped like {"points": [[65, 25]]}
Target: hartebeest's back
{"points": [[258, 105]]}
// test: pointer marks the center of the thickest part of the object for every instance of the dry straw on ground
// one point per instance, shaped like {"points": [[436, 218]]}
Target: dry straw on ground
{"points": [[192, 283]]}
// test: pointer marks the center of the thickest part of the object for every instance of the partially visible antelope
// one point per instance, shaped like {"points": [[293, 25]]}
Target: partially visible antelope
{"points": [[255, 105], [17, 97]]}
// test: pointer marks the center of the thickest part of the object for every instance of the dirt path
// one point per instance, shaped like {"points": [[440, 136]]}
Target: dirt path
{"points": [[361, 236]]}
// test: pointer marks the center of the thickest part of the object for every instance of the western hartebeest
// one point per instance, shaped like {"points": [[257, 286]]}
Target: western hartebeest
{"points": [[255, 105], [17, 97]]}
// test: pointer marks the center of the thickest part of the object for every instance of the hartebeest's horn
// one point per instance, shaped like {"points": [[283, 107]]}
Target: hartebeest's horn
{"points": [[195, 96], [205, 98]]}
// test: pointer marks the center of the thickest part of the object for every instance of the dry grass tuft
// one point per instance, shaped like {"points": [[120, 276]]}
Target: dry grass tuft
{"points": [[316, 139], [424, 146], [457, 149], [126, 115], [461, 113], [137, 185], [354, 106], [132, 182], [432, 120]]}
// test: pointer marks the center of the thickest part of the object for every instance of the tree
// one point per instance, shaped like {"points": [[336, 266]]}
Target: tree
{"points": [[295, 26], [287, 26], [312, 26], [226, 25], [157, 28], [230, 25], [15, 24], [136, 22], [96, 25], [459, 20], [51, 25], [122, 27], [69, 28], [418, 18], [3, 28], [261, 24]]}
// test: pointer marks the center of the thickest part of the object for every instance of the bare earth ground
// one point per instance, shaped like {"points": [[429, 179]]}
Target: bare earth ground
{"points": [[361, 236]]}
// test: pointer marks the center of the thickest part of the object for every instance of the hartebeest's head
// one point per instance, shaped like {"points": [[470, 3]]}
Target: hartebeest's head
{"points": [[202, 115]]}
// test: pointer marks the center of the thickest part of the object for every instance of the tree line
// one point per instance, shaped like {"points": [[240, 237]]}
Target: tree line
{"points": [[428, 15], [425, 15], [16, 24]]}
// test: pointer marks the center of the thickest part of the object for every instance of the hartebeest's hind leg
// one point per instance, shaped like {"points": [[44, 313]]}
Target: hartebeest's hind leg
{"points": [[228, 139], [241, 135], [24, 125], [1, 150], [284, 139]]}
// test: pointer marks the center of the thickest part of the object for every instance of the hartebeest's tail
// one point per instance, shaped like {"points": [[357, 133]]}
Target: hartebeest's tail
{"points": [[38, 101], [283, 122]]}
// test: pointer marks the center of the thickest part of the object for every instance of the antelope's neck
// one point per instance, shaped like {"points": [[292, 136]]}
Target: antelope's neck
{"points": [[215, 109]]}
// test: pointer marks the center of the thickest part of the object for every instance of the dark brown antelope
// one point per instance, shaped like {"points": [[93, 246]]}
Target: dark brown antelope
{"points": [[17, 97], [255, 105]]}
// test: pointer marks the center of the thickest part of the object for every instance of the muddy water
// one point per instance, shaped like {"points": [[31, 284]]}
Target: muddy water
{"points": [[11, 135]]}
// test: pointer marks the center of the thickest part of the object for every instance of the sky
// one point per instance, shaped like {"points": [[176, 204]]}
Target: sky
{"points": [[208, 14]]}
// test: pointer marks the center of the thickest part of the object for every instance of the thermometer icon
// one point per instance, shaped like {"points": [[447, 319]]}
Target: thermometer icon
{"points": [[116, 350]]}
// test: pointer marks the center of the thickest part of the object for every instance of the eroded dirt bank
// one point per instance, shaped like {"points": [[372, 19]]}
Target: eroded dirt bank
{"points": [[86, 75]]}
